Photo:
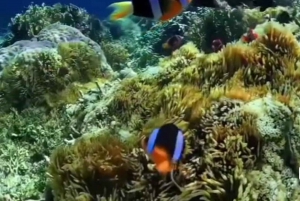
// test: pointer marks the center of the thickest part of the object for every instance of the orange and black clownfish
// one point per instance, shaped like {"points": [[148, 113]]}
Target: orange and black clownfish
{"points": [[250, 36], [165, 146], [162, 10]]}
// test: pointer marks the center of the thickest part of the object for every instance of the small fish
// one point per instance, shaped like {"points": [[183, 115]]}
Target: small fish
{"points": [[174, 43], [217, 45], [165, 146], [162, 10], [250, 36]]}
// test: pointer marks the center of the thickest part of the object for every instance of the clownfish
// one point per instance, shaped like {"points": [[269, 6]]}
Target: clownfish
{"points": [[165, 147], [250, 36], [174, 43], [162, 10], [217, 45]]}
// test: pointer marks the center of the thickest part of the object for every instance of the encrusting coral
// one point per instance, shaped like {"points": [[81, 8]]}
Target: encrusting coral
{"points": [[237, 109]]}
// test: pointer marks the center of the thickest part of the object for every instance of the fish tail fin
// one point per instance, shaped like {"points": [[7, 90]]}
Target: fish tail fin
{"points": [[121, 10], [173, 180]]}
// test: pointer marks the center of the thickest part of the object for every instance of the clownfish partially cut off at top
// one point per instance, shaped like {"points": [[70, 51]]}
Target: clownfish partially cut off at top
{"points": [[165, 146], [162, 10], [250, 36]]}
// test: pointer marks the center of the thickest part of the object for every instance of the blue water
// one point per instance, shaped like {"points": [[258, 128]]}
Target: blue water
{"points": [[9, 9]]}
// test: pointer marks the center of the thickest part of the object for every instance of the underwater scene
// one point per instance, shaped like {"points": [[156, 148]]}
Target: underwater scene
{"points": [[160, 100]]}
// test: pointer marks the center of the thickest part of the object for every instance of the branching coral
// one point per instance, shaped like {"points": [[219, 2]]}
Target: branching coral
{"points": [[27, 138]]}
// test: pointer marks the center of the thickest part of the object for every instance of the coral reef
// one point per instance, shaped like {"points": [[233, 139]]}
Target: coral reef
{"points": [[25, 26], [38, 70], [227, 26], [27, 139], [71, 129], [236, 107], [117, 55]]}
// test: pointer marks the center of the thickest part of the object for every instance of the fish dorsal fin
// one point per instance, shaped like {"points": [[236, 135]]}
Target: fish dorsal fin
{"points": [[184, 3], [151, 141], [156, 10], [178, 146]]}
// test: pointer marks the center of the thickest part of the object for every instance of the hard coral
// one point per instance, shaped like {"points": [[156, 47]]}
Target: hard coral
{"points": [[27, 138], [26, 25]]}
